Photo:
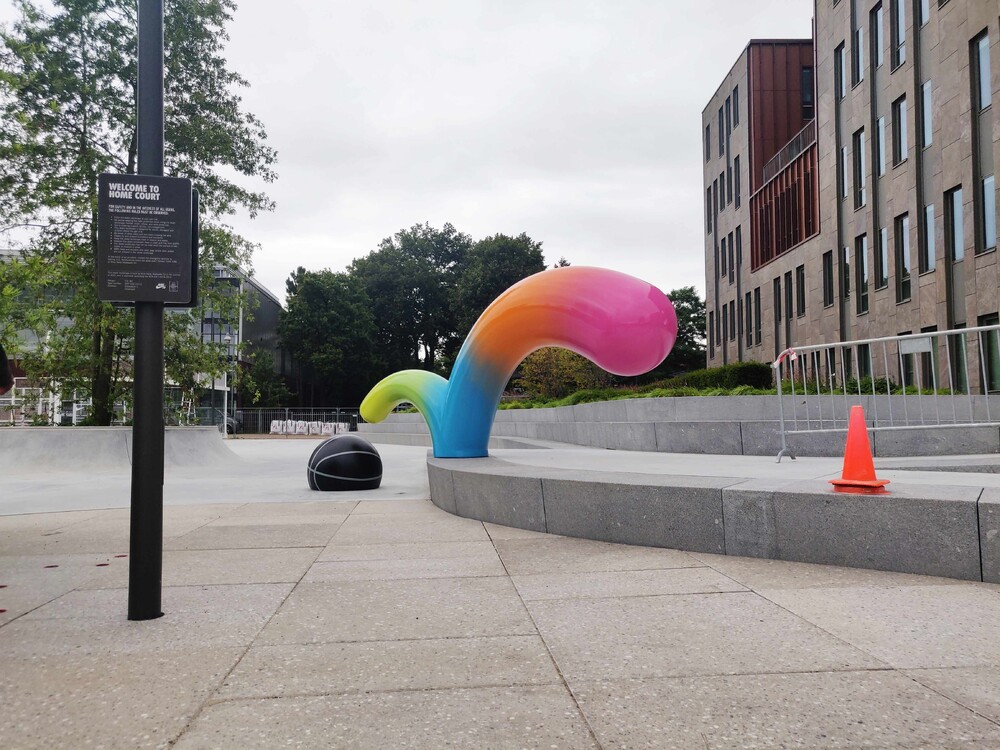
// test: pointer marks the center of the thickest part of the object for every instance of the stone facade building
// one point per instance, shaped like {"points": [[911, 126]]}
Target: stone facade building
{"points": [[849, 180]]}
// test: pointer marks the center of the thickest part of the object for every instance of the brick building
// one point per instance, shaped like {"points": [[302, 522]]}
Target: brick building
{"points": [[849, 180]]}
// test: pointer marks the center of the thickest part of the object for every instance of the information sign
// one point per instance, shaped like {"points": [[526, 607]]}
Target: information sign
{"points": [[145, 240]]}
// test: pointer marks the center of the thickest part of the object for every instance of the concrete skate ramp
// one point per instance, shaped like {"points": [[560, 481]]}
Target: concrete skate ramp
{"points": [[26, 450]]}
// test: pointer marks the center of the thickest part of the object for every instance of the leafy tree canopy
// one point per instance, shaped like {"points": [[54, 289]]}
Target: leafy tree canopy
{"points": [[67, 114]]}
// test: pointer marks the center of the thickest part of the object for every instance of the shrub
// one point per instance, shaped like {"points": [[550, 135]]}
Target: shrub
{"points": [[752, 374]]}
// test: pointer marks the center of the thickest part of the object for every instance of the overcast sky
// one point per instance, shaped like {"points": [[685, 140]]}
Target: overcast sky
{"points": [[576, 121]]}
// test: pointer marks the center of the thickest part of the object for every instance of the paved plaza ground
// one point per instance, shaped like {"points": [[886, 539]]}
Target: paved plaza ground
{"points": [[376, 620]]}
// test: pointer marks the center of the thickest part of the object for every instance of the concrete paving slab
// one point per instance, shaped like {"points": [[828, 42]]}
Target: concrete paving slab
{"points": [[93, 622], [409, 551], [684, 635], [509, 717], [220, 566], [496, 531], [829, 710], [778, 574], [387, 570], [393, 610], [30, 581], [602, 585], [976, 688], [906, 627], [560, 554], [77, 700], [328, 506], [386, 529], [261, 536], [380, 666], [366, 507]]}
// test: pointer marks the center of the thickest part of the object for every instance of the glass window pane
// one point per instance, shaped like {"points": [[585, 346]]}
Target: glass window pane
{"points": [[926, 110], [983, 73], [989, 213]]}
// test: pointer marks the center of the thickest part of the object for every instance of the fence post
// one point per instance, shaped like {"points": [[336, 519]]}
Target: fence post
{"points": [[785, 450]]}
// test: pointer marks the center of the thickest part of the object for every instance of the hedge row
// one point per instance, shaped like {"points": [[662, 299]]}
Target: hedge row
{"points": [[753, 374]]}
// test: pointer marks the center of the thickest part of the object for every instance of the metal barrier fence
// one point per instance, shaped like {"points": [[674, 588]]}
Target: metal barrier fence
{"points": [[930, 379]]}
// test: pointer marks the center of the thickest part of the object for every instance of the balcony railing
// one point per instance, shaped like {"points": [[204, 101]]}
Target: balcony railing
{"points": [[799, 143]]}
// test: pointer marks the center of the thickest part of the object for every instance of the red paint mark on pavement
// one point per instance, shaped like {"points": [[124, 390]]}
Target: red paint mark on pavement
{"points": [[51, 566], [103, 565], [121, 555]]}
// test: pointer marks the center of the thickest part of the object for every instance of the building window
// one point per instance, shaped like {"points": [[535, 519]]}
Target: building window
{"points": [[708, 211], [902, 228], [988, 198], [722, 256], [859, 169], [839, 72], [845, 276], [828, 278], [991, 352], [711, 334], [981, 72], [800, 291], [897, 32], [842, 173], [732, 321], [880, 146], [729, 115], [715, 197], [926, 116], [736, 106], [722, 190], [789, 297], [739, 248], [739, 179], [861, 270], [708, 142], [808, 101], [732, 264], [725, 323], [722, 134], [756, 316], [954, 227], [878, 40], [747, 317], [925, 11], [900, 150], [882, 259], [926, 261], [729, 184], [858, 56]]}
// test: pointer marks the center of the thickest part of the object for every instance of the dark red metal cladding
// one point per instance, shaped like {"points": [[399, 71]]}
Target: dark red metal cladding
{"points": [[785, 211], [774, 72]]}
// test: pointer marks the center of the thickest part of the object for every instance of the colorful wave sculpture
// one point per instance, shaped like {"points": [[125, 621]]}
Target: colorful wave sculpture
{"points": [[622, 324]]}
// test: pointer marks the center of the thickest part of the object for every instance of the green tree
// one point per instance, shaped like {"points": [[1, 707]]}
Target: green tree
{"points": [[330, 331], [491, 266], [409, 279], [67, 114], [260, 385], [689, 349], [554, 372]]}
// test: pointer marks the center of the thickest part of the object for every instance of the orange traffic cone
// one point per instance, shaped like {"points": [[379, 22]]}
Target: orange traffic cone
{"points": [[859, 469]]}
